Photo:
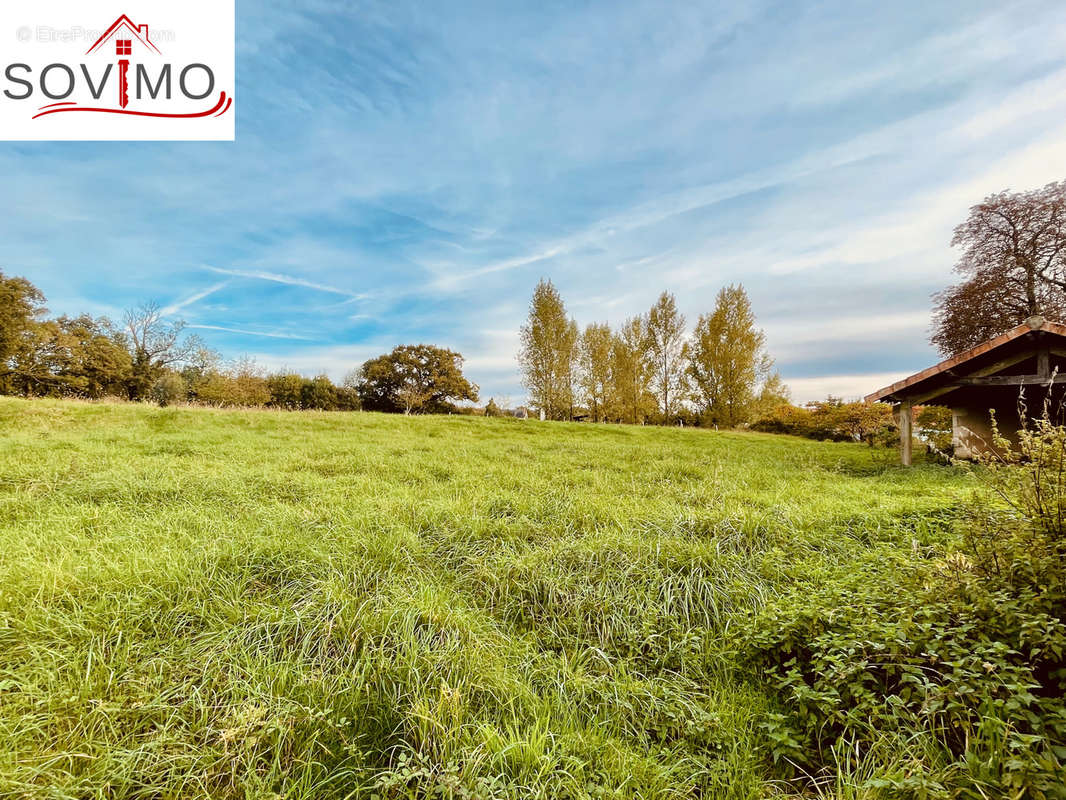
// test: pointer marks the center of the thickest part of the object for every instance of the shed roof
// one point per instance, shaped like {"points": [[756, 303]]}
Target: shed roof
{"points": [[1018, 338]]}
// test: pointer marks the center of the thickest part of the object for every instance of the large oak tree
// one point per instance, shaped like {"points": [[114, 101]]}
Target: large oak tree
{"points": [[414, 379]]}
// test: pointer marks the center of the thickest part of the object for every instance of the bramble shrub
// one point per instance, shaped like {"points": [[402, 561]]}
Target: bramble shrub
{"points": [[945, 670]]}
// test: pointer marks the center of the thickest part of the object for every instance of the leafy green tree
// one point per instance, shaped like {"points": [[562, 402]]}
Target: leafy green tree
{"points": [[211, 387], [492, 410], [834, 420], [69, 355], [168, 388], [286, 390], [21, 307], [347, 399], [249, 383], [106, 364], [201, 367], [864, 422], [773, 394], [31, 371], [630, 397], [595, 372], [318, 393], [728, 359], [84, 356], [667, 352], [414, 379], [786, 418], [348, 392], [548, 355]]}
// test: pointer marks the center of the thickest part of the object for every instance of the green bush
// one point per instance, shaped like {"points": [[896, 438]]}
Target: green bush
{"points": [[285, 390], [971, 672], [944, 672], [785, 418], [833, 420], [168, 389], [240, 385]]}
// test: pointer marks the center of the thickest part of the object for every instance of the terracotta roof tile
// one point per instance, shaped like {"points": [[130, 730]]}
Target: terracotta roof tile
{"points": [[968, 355]]}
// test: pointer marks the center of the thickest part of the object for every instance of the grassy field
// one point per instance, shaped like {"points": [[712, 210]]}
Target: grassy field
{"points": [[257, 604]]}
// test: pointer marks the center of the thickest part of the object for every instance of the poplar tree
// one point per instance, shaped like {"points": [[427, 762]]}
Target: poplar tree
{"points": [[667, 352], [548, 354], [631, 373], [595, 357], [728, 359]]}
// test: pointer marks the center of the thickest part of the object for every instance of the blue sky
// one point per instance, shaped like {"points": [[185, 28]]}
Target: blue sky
{"points": [[407, 172]]}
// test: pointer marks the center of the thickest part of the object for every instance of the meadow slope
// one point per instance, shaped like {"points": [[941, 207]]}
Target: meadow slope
{"points": [[259, 604]]}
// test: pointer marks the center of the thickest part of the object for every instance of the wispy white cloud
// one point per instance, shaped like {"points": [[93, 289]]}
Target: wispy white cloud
{"points": [[820, 153], [174, 308], [245, 332], [288, 280]]}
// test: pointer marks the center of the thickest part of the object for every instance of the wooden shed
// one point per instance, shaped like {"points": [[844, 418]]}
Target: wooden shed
{"points": [[987, 378]]}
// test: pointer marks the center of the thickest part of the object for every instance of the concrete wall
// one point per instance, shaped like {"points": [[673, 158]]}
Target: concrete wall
{"points": [[972, 423], [972, 427]]}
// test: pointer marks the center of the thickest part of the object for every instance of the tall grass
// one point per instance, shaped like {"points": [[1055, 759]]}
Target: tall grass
{"points": [[253, 604]]}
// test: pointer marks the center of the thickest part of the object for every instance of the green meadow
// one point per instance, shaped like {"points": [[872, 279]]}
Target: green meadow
{"points": [[254, 604]]}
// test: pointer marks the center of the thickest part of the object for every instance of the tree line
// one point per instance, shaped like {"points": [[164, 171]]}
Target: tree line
{"points": [[649, 370], [151, 357]]}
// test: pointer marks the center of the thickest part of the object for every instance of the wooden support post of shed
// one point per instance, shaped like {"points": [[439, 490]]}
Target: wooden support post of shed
{"points": [[905, 434], [1043, 363]]}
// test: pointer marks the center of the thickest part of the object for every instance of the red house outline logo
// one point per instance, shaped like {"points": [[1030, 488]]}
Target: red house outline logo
{"points": [[138, 32], [124, 49]]}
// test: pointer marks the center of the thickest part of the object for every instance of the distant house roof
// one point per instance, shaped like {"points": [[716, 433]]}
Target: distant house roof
{"points": [[986, 357]]}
